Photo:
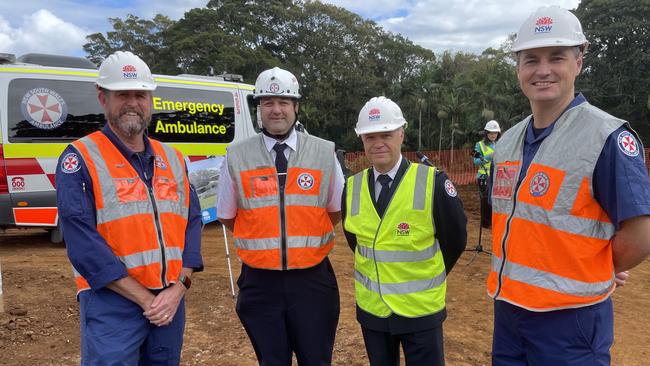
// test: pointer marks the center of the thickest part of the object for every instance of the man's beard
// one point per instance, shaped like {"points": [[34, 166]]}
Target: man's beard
{"points": [[129, 127]]}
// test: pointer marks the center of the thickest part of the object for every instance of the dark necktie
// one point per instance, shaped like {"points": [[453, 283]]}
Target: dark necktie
{"points": [[281, 163], [382, 201]]}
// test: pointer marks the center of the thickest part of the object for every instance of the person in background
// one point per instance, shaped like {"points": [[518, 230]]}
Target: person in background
{"points": [[132, 226], [407, 228], [482, 156]]}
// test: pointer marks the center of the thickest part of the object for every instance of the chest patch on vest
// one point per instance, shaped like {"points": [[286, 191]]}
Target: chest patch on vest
{"points": [[504, 181], [70, 163], [451, 190], [539, 184], [305, 181], [403, 229], [160, 163], [627, 143]]}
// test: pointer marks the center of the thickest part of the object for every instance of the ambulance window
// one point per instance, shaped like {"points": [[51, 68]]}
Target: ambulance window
{"points": [[192, 115], [51, 110]]}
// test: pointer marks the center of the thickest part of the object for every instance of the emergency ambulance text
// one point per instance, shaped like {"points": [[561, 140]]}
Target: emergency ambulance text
{"points": [[193, 127], [192, 107]]}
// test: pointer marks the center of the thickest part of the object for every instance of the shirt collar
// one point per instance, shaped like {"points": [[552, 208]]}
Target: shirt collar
{"points": [[530, 136], [128, 153], [291, 141], [391, 173]]}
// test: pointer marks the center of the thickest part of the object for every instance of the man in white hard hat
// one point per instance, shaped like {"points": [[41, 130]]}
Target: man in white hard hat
{"points": [[570, 199], [482, 156], [281, 197], [406, 225], [132, 226]]}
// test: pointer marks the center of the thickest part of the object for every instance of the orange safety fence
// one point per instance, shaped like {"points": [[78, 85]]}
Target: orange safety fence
{"points": [[458, 163]]}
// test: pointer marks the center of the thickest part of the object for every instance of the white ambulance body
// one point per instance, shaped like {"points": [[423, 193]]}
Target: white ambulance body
{"points": [[48, 101]]}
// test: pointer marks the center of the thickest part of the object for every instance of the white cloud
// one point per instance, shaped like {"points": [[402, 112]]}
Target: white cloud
{"points": [[470, 25], [41, 32], [174, 9]]}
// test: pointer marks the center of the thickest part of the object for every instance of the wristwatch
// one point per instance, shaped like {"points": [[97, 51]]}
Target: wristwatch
{"points": [[185, 280]]}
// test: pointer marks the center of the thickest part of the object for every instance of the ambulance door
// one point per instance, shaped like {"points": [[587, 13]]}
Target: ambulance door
{"points": [[45, 113]]}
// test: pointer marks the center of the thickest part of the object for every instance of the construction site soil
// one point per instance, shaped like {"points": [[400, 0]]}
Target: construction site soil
{"points": [[40, 325]]}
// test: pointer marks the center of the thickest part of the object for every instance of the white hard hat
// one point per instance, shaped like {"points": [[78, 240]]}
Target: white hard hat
{"points": [[380, 114], [492, 126], [549, 26], [125, 71], [276, 82]]}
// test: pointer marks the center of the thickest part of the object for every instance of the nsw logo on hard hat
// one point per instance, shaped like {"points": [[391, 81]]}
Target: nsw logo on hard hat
{"points": [[44, 108], [274, 88], [129, 72], [543, 25], [374, 114]]}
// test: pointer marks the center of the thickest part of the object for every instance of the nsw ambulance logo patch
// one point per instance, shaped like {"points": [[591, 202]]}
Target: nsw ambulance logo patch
{"points": [[539, 184], [628, 144], [44, 108], [305, 181], [451, 190], [70, 163]]}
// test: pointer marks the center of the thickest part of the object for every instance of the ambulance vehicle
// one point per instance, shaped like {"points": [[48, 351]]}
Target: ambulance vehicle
{"points": [[48, 101]]}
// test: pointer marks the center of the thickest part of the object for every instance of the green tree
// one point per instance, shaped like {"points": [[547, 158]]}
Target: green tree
{"points": [[143, 37], [617, 65]]}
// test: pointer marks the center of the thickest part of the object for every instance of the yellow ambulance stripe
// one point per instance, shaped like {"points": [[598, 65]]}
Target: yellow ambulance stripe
{"points": [[48, 71], [52, 150], [95, 74]]}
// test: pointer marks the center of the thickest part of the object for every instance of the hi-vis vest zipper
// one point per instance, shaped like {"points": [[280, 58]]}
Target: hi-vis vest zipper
{"points": [[398, 263], [551, 238], [145, 228], [282, 230]]}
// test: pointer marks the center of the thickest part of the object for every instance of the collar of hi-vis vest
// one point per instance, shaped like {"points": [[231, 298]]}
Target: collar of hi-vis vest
{"points": [[291, 141], [128, 153]]}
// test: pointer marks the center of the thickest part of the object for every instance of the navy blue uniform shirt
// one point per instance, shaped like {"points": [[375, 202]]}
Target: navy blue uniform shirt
{"points": [[620, 181], [88, 251]]}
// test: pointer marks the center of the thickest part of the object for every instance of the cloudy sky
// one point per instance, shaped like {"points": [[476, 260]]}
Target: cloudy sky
{"points": [[60, 26]]}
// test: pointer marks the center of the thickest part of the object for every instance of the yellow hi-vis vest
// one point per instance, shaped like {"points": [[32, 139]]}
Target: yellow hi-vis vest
{"points": [[398, 263], [486, 150]]}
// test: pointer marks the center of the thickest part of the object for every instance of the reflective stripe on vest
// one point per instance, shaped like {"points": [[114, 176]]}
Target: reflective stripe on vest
{"points": [[398, 263], [152, 253], [259, 230], [486, 150], [551, 238]]}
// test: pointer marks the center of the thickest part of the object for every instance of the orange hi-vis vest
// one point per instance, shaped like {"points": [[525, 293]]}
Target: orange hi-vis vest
{"points": [[145, 228], [282, 230], [551, 240]]}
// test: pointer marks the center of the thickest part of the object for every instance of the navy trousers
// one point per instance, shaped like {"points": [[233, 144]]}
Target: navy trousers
{"points": [[423, 348], [114, 332], [287, 312], [571, 337]]}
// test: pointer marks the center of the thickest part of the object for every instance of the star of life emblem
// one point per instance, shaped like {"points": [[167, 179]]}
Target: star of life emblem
{"points": [[160, 163], [44, 108], [539, 184], [305, 181], [628, 144], [70, 163], [451, 190]]}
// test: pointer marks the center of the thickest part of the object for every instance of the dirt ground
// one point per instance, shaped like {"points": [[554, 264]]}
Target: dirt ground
{"points": [[40, 325]]}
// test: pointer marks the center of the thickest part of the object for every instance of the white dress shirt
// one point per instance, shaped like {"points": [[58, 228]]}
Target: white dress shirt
{"points": [[229, 195], [391, 173]]}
